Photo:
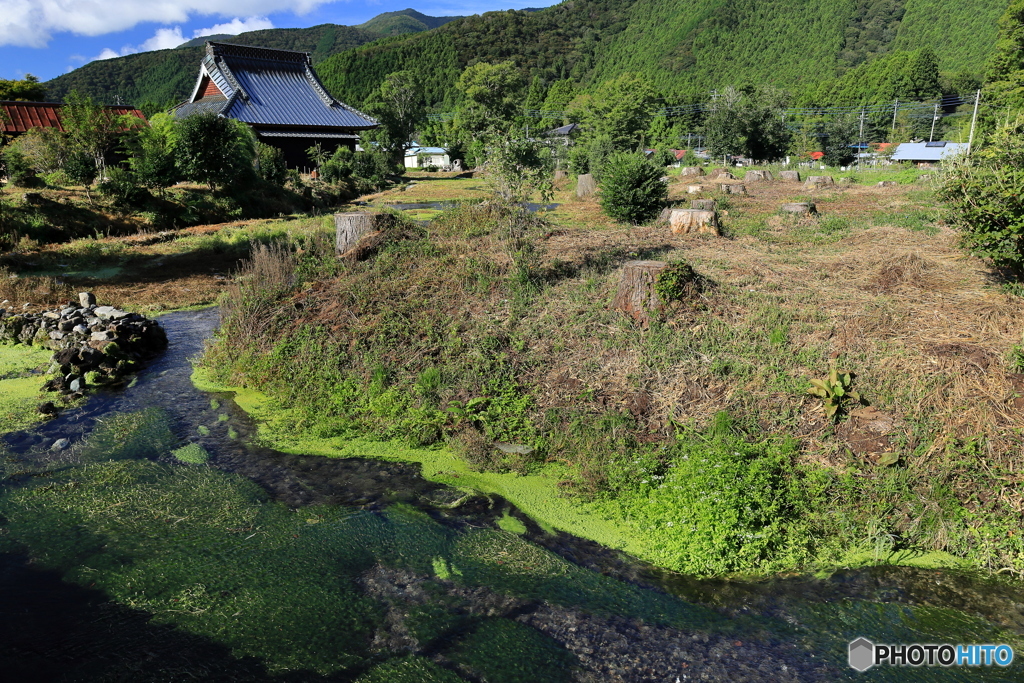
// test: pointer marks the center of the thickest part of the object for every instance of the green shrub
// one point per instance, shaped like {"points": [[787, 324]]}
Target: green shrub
{"points": [[270, 164], [19, 171], [122, 187], [80, 168], [985, 198], [631, 188]]}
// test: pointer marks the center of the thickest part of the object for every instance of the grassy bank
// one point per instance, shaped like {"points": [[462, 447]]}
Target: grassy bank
{"points": [[21, 376], [697, 433]]}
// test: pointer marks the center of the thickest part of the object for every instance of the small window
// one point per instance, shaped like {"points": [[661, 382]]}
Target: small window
{"points": [[937, 143]]}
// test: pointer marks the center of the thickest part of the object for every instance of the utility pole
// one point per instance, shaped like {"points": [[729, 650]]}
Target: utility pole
{"points": [[935, 117], [895, 108], [860, 138], [974, 118]]}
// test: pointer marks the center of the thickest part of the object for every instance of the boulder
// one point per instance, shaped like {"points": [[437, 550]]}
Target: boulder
{"points": [[86, 299]]}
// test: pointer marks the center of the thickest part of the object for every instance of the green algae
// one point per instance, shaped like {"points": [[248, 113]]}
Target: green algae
{"points": [[19, 385], [409, 670], [192, 454], [510, 524], [507, 652], [537, 495]]}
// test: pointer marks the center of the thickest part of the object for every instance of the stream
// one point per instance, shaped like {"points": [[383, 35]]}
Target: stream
{"points": [[263, 565]]}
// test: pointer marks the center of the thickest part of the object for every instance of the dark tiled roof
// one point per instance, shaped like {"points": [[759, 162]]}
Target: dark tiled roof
{"points": [[20, 117], [272, 88], [212, 106]]}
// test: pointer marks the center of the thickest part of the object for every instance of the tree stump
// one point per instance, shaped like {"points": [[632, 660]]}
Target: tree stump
{"points": [[636, 296], [721, 174], [754, 176], [694, 189], [732, 188], [887, 183], [845, 181], [691, 171], [586, 185], [561, 174], [800, 208], [349, 228], [816, 181], [704, 204], [687, 221], [790, 175]]}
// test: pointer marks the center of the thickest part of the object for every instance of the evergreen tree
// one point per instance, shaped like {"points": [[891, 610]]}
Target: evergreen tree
{"points": [[750, 125], [491, 99], [1004, 87], [398, 107]]}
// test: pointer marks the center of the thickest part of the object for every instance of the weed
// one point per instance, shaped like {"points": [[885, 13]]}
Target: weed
{"points": [[835, 390]]}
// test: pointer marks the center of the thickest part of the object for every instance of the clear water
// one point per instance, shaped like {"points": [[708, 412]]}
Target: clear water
{"points": [[131, 570]]}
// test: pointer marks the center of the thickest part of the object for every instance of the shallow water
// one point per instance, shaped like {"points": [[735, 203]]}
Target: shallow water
{"points": [[794, 629]]}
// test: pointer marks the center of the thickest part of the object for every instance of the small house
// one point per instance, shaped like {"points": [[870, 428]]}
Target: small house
{"points": [[928, 153], [421, 157], [277, 94]]}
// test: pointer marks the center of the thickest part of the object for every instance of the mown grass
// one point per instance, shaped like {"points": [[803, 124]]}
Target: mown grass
{"points": [[441, 339]]}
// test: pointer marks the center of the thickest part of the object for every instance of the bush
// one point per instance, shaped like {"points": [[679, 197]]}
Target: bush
{"points": [[121, 186], [270, 164], [338, 167], [631, 188], [985, 198], [214, 150], [19, 171], [80, 168]]}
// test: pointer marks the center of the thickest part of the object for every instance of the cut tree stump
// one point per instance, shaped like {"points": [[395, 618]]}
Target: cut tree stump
{"points": [[887, 183], [349, 228], [691, 171], [704, 204], [754, 176], [586, 185], [688, 221], [819, 181], [732, 188], [800, 208], [694, 189], [636, 296], [561, 174], [790, 175]]}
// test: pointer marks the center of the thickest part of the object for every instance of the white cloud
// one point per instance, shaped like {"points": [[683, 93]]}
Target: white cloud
{"points": [[168, 38], [235, 26], [32, 23]]}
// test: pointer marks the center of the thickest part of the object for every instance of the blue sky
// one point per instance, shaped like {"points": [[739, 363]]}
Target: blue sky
{"points": [[50, 37]]}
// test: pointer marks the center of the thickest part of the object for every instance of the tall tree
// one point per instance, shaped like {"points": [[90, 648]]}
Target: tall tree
{"points": [[748, 124], [619, 110], [1004, 87], [91, 128], [398, 107], [28, 89], [491, 94]]}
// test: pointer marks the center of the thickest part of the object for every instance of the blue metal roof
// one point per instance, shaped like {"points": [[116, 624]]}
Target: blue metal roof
{"points": [[921, 151], [266, 87]]}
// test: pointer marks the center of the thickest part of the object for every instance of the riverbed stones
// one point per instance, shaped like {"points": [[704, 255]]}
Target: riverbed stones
{"points": [[101, 339], [86, 299], [60, 444]]}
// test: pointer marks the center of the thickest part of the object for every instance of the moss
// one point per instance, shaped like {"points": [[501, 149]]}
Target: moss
{"points": [[193, 454], [510, 524], [203, 430], [19, 387], [144, 434]]}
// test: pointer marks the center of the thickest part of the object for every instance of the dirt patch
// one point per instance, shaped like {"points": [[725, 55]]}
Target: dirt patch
{"points": [[868, 432]]}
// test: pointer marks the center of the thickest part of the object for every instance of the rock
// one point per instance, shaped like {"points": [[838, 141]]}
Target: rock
{"points": [[691, 171], [56, 336], [586, 185], [688, 221], [26, 306], [695, 189], [80, 329], [801, 208], [790, 175], [60, 444], [102, 336], [47, 408], [109, 313], [67, 312], [77, 384], [51, 315], [86, 299]]}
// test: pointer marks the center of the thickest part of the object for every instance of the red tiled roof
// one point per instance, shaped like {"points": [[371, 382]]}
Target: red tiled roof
{"points": [[20, 117], [817, 155]]}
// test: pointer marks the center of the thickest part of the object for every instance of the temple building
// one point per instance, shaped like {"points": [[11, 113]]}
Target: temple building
{"points": [[278, 94]]}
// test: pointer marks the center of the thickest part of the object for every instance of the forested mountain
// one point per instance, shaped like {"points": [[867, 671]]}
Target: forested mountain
{"points": [[684, 49], [163, 76], [822, 51]]}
